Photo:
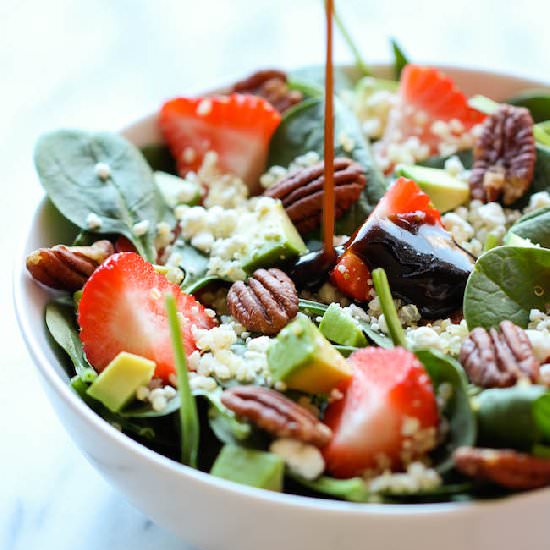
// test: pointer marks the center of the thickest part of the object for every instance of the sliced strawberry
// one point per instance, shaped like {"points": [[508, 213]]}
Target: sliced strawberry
{"points": [[402, 200], [122, 309], [352, 277], [388, 414], [428, 96], [405, 197], [238, 128]]}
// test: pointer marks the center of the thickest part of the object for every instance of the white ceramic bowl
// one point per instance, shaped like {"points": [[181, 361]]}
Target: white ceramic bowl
{"points": [[214, 514]]}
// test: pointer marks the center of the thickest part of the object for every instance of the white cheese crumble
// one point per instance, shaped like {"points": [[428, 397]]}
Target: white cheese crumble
{"points": [[303, 459], [102, 171], [93, 221], [140, 228], [158, 397], [417, 478]]}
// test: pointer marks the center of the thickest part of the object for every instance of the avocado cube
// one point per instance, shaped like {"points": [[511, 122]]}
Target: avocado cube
{"points": [[445, 191], [119, 382], [303, 359], [340, 328], [249, 467], [274, 240]]}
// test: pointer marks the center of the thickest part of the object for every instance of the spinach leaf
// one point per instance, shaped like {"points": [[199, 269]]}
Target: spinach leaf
{"points": [[506, 283], [61, 322], [309, 90], [302, 130], [159, 158], [193, 262], [66, 163], [311, 308], [465, 156], [311, 80], [537, 101], [534, 226], [507, 419], [146, 411], [399, 59], [353, 489], [445, 370], [541, 415]]}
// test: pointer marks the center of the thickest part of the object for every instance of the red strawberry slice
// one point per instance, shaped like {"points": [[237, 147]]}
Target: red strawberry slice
{"points": [[388, 413], [426, 95], [122, 309], [238, 128], [351, 275], [405, 197]]}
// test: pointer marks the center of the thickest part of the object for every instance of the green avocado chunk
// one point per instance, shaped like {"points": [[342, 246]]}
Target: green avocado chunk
{"points": [[302, 358], [250, 467], [274, 239], [340, 328], [445, 191], [119, 382]]}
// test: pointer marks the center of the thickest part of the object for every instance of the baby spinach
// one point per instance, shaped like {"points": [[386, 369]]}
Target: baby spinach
{"points": [[534, 226], [506, 283], [465, 156], [311, 80], [537, 101], [541, 177], [399, 59], [67, 161], [542, 133], [353, 489], [513, 417], [541, 415], [456, 409], [302, 130], [60, 320], [159, 158]]}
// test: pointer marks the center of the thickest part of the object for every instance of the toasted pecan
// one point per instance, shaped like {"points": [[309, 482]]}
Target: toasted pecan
{"points": [[276, 414], [301, 192], [498, 359], [67, 267], [503, 467], [265, 303]]}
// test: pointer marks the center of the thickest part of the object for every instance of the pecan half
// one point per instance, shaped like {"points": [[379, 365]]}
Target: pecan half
{"points": [[271, 84], [276, 414], [265, 303], [67, 267], [301, 192], [498, 359], [504, 156], [504, 467]]}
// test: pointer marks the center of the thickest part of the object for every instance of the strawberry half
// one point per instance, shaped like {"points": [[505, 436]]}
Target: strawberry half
{"points": [[238, 128], [428, 96], [351, 275], [122, 309], [388, 414]]}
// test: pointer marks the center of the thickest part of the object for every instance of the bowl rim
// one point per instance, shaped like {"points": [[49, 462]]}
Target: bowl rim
{"points": [[153, 459]]}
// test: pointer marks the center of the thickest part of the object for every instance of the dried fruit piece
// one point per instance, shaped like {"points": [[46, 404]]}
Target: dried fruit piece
{"points": [[498, 359], [271, 84], [67, 267], [504, 467], [301, 192], [504, 156], [275, 413], [266, 303]]}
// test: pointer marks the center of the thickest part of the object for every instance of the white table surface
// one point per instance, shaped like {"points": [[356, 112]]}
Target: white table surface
{"points": [[100, 64]]}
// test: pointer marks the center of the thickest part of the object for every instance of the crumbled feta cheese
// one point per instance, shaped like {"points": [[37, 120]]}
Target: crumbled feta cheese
{"points": [[346, 141], [303, 459], [93, 221], [540, 341], [538, 200], [102, 171], [140, 228], [417, 478]]}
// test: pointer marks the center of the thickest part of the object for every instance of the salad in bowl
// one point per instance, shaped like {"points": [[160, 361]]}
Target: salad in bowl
{"points": [[197, 312]]}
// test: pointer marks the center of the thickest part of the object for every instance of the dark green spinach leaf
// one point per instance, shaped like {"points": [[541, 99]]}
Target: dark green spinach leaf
{"points": [[537, 101], [534, 226], [506, 417], [66, 162], [159, 158], [457, 409], [61, 322], [506, 283], [302, 130], [541, 414]]}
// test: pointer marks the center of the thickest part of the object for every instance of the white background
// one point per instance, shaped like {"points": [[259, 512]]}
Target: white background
{"points": [[102, 63]]}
